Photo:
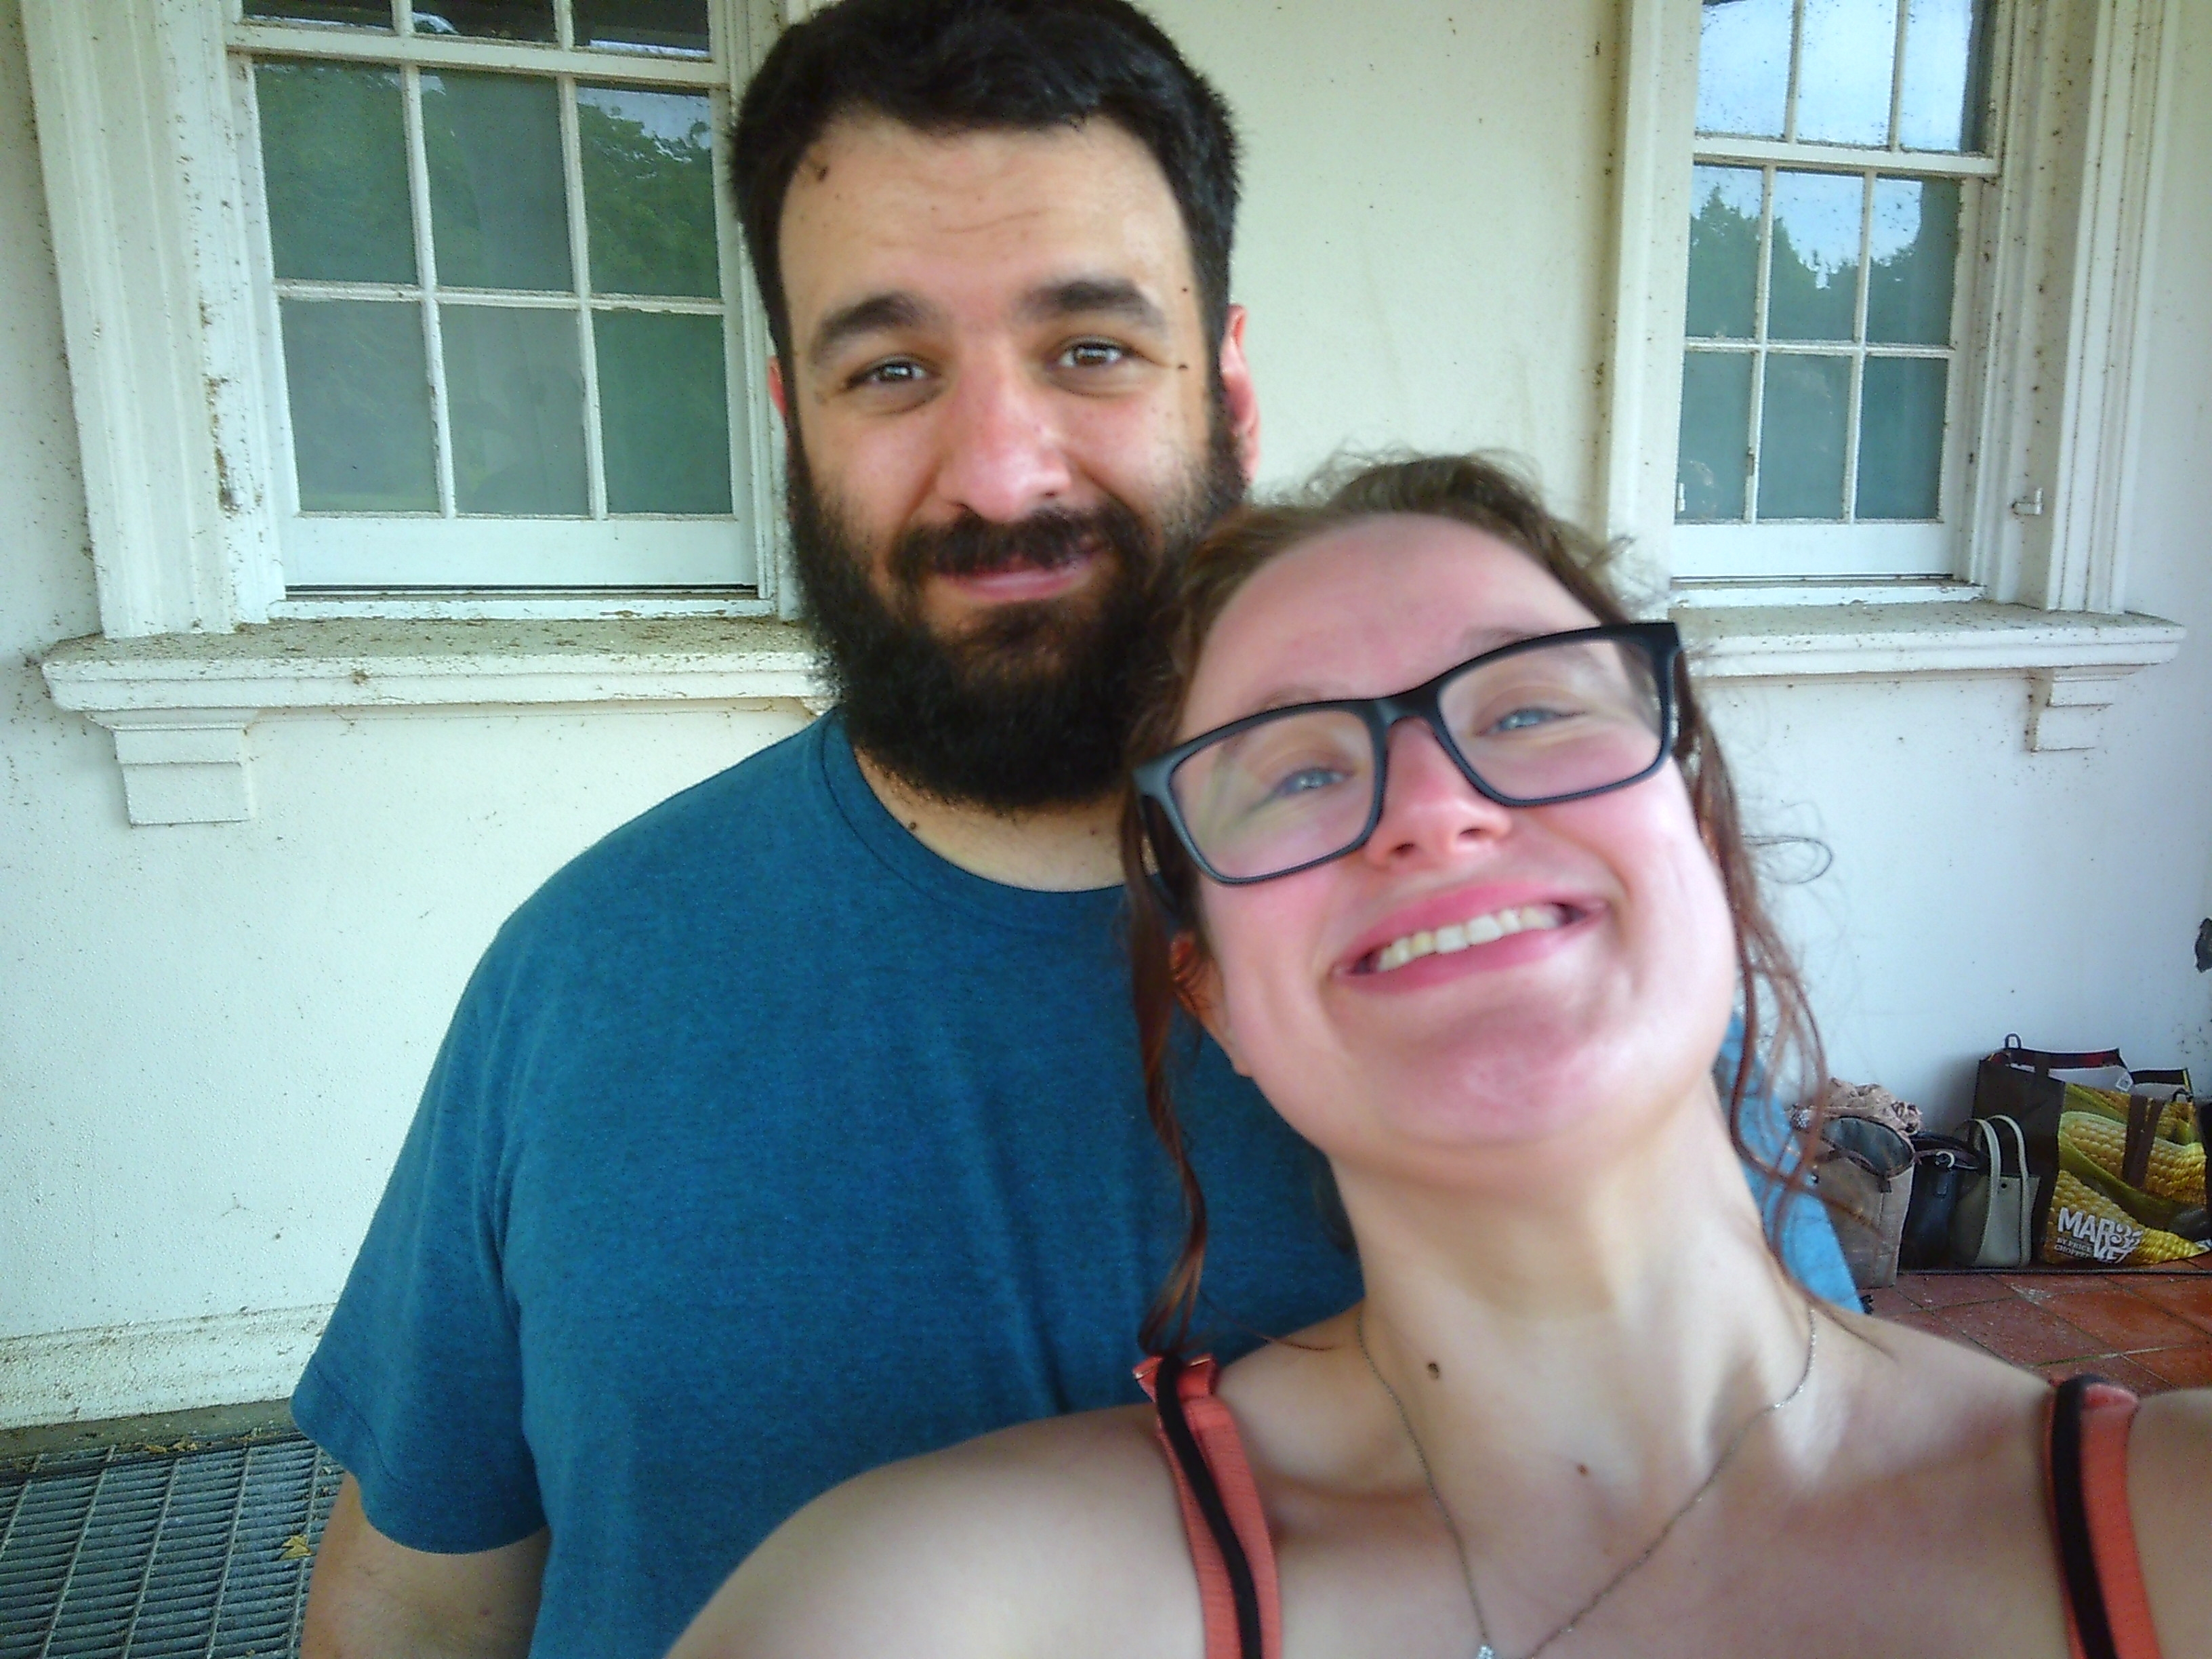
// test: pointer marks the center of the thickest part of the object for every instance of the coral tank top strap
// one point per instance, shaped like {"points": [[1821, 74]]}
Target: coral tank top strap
{"points": [[1227, 1530], [2108, 1612]]}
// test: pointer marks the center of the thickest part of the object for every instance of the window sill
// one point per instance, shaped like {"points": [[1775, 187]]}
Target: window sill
{"points": [[2072, 660], [179, 704]]}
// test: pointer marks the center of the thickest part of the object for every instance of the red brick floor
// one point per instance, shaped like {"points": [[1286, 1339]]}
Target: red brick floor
{"points": [[2148, 1328]]}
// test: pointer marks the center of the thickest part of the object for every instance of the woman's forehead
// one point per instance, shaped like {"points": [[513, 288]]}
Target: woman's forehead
{"points": [[1370, 608]]}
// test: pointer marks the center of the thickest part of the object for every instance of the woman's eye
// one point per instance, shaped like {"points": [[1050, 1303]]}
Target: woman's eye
{"points": [[1305, 780], [1524, 719]]}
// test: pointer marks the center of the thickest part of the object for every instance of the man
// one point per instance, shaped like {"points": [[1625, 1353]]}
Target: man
{"points": [[796, 1126]]}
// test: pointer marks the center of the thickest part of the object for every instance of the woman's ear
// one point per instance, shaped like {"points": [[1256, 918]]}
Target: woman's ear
{"points": [[1198, 988]]}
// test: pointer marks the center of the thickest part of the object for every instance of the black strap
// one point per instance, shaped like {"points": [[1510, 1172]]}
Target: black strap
{"points": [[1199, 1474], [2077, 1556], [2047, 1061]]}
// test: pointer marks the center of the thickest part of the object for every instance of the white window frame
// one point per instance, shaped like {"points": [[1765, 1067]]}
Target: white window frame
{"points": [[1718, 550], [169, 354], [156, 218], [361, 561], [2038, 587]]}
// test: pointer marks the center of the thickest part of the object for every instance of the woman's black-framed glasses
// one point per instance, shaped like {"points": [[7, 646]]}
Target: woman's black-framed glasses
{"points": [[1551, 719]]}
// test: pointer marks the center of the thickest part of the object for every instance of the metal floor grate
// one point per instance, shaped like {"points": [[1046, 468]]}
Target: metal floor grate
{"points": [[131, 1552]]}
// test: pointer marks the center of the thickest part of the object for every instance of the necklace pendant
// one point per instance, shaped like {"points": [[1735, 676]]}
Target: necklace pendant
{"points": [[1485, 1652]]}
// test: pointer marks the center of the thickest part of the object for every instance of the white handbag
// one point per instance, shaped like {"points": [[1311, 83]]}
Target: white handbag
{"points": [[1990, 1228]]}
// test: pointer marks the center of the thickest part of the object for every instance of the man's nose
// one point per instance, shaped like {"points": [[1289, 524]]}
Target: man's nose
{"points": [[1002, 454], [1429, 810]]}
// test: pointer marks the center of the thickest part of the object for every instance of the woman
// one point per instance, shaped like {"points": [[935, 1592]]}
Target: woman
{"points": [[1479, 941]]}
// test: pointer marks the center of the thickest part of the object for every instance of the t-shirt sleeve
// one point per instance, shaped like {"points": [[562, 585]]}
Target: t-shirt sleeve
{"points": [[1807, 1237], [417, 1385]]}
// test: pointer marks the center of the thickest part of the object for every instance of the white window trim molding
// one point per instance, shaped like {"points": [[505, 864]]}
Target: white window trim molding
{"points": [[180, 705], [151, 229], [2073, 265], [2043, 596], [151, 226], [2074, 663], [142, 195]]}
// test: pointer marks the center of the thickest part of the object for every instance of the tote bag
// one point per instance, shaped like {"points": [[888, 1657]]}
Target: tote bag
{"points": [[1991, 1225]]}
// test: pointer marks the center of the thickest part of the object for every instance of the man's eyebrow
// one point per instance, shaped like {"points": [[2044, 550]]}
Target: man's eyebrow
{"points": [[876, 313], [1093, 296]]}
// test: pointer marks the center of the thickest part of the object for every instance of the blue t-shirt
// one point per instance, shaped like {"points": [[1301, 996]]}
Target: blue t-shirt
{"points": [[766, 1147]]}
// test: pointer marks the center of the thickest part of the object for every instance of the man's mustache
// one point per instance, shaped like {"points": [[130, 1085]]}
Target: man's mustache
{"points": [[974, 546]]}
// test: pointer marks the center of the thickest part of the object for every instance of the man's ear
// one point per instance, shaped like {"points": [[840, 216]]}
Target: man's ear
{"points": [[1198, 987], [1242, 400], [776, 393]]}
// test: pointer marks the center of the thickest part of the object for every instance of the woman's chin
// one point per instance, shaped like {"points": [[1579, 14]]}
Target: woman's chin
{"points": [[1550, 1080]]}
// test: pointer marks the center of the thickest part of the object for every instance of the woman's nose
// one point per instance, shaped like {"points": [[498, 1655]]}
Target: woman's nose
{"points": [[1429, 810]]}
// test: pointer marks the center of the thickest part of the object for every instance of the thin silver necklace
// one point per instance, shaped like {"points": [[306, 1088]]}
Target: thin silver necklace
{"points": [[1459, 1544]]}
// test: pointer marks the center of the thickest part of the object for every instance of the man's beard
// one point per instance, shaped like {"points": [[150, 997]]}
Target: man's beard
{"points": [[1028, 706]]}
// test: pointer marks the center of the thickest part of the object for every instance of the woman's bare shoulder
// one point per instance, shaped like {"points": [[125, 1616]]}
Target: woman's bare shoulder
{"points": [[2170, 1500], [1981, 1428], [1061, 1536]]}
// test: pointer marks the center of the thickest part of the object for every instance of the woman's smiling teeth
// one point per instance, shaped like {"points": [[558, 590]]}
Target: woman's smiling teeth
{"points": [[1459, 936]]}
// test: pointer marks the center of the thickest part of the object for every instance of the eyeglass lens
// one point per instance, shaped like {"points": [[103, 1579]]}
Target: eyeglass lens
{"points": [[1535, 724]]}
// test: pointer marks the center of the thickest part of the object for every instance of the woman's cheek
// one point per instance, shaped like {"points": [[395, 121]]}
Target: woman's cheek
{"points": [[1269, 1015], [1689, 968]]}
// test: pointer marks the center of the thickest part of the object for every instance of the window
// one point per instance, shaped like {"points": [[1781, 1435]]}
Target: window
{"points": [[492, 269], [1838, 185], [1787, 164], [258, 478]]}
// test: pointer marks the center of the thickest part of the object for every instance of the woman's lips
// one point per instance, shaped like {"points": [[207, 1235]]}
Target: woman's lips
{"points": [[1494, 923], [1487, 942], [1453, 937]]}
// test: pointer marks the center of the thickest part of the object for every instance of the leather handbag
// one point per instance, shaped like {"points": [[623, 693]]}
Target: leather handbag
{"points": [[1942, 1166], [1863, 1173], [1991, 1224]]}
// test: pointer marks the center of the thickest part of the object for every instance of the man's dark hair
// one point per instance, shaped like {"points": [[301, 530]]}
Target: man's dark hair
{"points": [[953, 66]]}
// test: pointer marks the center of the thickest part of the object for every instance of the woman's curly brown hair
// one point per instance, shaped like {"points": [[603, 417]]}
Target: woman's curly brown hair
{"points": [[1167, 943]]}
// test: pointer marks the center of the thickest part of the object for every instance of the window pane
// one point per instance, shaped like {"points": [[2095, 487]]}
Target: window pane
{"points": [[361, 13], [516, 397], [1724, 253], [492, 19], [361, 406], [1843, 90], [677, 26], [1714, 456], [1801, 437], [1813, 289], [498, 209], [334, 162], [1743, 66], [649, 191], [663, 414], [1940, 106], [1912, 250], [1901, 437]]}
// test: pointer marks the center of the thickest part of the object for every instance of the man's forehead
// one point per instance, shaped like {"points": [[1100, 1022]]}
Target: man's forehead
{"points": [[873, 196], [871, 139]]}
